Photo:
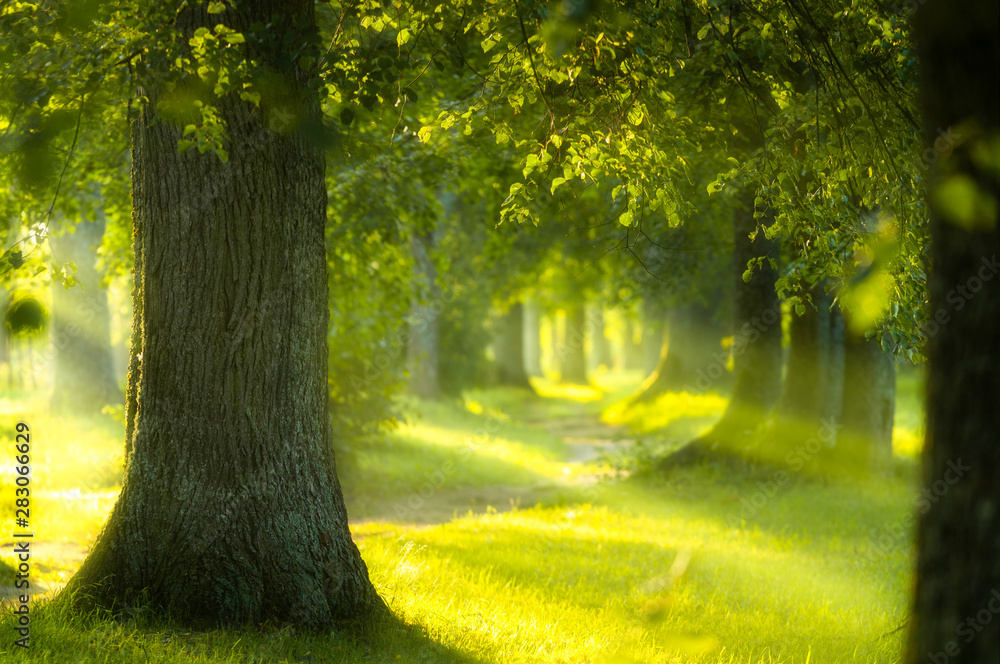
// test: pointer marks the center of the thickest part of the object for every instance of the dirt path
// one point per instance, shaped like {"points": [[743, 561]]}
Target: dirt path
{"points": [[586, 437]]}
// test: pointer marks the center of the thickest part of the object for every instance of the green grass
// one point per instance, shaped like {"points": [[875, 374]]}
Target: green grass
{"points": [[706, 566]]}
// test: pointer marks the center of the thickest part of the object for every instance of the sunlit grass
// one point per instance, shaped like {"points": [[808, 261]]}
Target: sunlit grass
{"points": [[665, 410], [706, 567]]}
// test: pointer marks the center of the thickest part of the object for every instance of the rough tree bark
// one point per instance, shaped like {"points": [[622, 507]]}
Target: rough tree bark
{"points": [[508, 346], [756, 346], [958, 533], [423, 351], [572, 353], [84, 378], [231, 510]]}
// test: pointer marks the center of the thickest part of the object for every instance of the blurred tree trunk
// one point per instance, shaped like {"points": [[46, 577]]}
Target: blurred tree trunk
{"points": [[600, 347], [556, 362], [808, 411], [84, 378], [231, 510], [572, 353], [423, 352], [633, 348], [958, 532], [756, 347], [532, 338], [654, 335], [693, 358], [869, 400], [508, 344]]}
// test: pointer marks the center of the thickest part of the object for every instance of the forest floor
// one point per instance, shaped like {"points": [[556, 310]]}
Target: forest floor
{"points": [[509, 527]]}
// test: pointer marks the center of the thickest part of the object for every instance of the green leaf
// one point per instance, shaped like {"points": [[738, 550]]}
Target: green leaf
{"points": [[402, 37], [635, 115], [556, 182], [347, 116], [216, 7]]}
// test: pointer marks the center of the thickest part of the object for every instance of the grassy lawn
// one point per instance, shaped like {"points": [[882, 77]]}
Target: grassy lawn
{"points": [[706, 566]]}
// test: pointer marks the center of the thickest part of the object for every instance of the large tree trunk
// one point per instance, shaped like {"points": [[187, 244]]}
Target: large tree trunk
{"points": [[693, 359], [756, 346], [231, 511], [572, 353], [425, 337], [532, 338], [508, 346], [84, 378], [958, 535]]}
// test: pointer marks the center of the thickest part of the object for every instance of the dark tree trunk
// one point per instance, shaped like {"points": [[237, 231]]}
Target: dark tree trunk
{"points": [[532, 338], [756, 346], [808, 411], [958, 533], [864, 446], [424, 350], [231, 511], [572, 353], [84, 378], [693, 348], [600, 348], [508, 346]]}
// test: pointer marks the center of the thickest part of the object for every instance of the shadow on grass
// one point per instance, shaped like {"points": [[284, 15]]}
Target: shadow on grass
{"points": [[58, 635]]}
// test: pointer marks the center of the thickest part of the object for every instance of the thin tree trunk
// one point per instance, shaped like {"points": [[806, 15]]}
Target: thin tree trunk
{"points": [[84, 378], [600, 348], [958, 535], [633, 348], [808, 411], [425, 346], [231, 511], [532, 338], [572, 353], [508, 345], [654, 336], [869, 400], [757, 347], [556, 362]]}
